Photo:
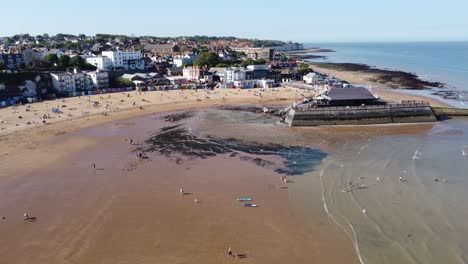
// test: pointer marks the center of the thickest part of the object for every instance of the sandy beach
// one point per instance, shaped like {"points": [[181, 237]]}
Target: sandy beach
{"points": [[130, 211]]}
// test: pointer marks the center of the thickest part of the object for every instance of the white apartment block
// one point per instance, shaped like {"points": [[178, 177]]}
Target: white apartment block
{"points": [[192, 73], [129, 60], [64, 82], [234, 74], [101, 63]]}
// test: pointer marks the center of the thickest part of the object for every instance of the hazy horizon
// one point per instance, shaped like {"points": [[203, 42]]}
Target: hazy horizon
{"points": [[300, 20]]}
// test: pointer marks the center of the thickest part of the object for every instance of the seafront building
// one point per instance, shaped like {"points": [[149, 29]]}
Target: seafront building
{"points": [[312, 78], [128, 60], [101, 63], [234, 74], [108, 60], [65, 82]]}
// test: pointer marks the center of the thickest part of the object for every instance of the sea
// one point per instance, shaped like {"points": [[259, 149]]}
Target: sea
{"points": [[446, 62], [397, 192]]}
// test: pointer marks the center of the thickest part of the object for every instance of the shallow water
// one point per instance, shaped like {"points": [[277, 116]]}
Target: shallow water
{"points": [[413, 220], [418, 219]]}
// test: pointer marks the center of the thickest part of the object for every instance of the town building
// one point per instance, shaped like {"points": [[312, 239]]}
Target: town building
{"points": [[234, 74], [161, 49], [128, 60], [101, 62], [197, 74], [257, 53], [99, 79], [312, 78], [179, 60], [65, 82], [192, 73], [11, 60]]}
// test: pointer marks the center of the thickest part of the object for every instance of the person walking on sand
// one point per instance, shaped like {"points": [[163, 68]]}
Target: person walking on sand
{"points": [[94, 165], [26, 217], [229, 252], [181, 191]]}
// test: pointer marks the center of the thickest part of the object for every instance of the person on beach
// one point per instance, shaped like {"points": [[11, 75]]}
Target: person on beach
{"points": [[26, 217], [94, 165], [229, 252], [181, 191]]}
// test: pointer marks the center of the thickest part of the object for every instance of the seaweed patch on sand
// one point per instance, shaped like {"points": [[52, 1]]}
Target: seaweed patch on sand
{"points": [[176, 117], [176, 142]]}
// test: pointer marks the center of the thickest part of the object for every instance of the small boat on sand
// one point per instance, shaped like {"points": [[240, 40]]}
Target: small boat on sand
{"points": [[244, 199], [250, 205]]}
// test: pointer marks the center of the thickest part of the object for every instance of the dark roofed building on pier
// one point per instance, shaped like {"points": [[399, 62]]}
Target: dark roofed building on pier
{"points": [[350, 96]]}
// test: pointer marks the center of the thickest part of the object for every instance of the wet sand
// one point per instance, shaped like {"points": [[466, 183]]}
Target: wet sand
{"points": [[130, 211], [41, 145]]}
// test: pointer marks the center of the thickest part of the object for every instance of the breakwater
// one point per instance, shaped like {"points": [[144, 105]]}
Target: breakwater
{"points": [[410, 112]]}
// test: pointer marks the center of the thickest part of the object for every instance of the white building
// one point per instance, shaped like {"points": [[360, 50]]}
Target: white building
{"points": [[99, 79], [101, 63], [180, 61], [258, 67], [64, 82], [234, 74], [129, 60], [192, 73], [312, 78]]}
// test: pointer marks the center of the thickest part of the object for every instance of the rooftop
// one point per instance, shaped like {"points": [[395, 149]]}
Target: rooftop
{"points": [[350, 93]]}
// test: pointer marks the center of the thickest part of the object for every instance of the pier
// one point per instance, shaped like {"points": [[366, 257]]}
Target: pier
{"points": [[404, 112]]}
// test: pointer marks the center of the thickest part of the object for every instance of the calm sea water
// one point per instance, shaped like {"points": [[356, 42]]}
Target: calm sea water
{"points": [[446, 62], [420, 218]]}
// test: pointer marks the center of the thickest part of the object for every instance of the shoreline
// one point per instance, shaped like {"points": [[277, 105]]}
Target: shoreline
{"points": [[38, 140]]}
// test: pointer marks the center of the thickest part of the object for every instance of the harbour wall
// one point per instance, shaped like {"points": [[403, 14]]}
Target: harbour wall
{"points": [[360, 115]]}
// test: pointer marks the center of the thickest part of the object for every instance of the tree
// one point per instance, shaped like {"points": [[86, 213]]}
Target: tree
{"points": [[77, 62], [46, 36], [51, 58], [72, 45], [2, 66], [209, 59], [88, 67], [284, 57], [260, 61], [247, 62], [176, 48], [303, 69], [64, 61], [121, 82]]}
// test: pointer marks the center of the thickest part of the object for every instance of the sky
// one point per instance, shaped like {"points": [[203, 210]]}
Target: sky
{"points": [[291, 20]]}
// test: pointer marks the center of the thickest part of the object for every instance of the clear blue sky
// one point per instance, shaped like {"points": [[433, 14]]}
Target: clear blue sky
{"points": [[297, 20]]}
